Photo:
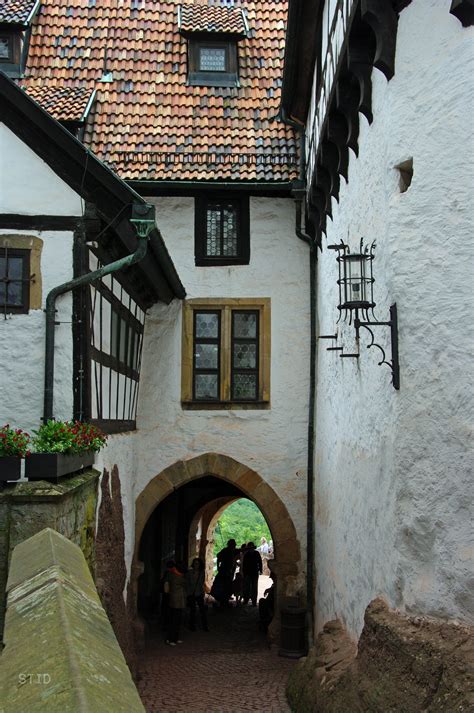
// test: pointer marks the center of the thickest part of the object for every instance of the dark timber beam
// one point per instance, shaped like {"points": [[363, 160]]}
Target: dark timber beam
{"points": [[464, 11]]}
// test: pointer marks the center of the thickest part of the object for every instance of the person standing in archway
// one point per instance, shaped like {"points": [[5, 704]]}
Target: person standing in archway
{"points": [[195, 589], [175, 587], [252, 569], [226, 564]]}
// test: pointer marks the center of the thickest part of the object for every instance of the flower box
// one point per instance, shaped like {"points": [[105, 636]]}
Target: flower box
{"points": [[10, 467], [49, 466]]}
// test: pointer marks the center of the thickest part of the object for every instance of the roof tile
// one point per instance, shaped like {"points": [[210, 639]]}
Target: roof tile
{"points": [[63, 103], [200, 17], [148, 123], [16, 12]]}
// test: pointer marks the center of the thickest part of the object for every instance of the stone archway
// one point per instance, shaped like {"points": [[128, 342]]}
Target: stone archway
{"points": [[286, 564]]}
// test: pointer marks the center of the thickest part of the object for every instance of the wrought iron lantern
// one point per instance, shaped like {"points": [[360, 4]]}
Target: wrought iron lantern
{"points": [[355, 277], [356, 298]]}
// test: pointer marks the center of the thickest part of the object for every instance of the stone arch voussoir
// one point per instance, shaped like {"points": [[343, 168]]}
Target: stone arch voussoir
{"points": [[287, 546]]}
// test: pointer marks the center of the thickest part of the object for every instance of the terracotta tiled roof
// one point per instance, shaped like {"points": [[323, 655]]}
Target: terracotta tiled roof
{"points": [[63, 103], [16, 11], [215, 18], [147, 123]]}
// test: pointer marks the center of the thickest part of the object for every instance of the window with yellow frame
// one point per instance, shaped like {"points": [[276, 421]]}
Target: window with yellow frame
{"points": [[226, 353]]}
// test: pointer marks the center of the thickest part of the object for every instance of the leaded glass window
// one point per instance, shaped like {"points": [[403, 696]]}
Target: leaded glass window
{"points": [[213, 63], [5, 48], [222, 231], [212, 59], [244, 355], [14, 280], [206, 356], [222, 222]]}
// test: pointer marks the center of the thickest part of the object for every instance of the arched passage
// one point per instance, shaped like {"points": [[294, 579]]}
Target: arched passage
{"points": [[250, 484], [201, 531]]}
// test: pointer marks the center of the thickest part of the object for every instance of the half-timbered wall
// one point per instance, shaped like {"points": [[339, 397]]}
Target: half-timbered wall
{"points": [[116, 338], [336, 19]]}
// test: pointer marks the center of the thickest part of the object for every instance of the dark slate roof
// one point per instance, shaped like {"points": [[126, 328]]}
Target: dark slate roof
{"points": [[17, 12], [213, 19], [148, 124], [63, 103]]}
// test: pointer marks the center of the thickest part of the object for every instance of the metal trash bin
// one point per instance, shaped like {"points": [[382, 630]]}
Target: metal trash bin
{"points": [[293, 632]]}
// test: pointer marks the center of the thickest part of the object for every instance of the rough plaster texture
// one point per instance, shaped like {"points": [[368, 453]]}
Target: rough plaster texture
{"points": [[393, 469], [272, 442], [22, 343], [60, 650], [45, 194]]}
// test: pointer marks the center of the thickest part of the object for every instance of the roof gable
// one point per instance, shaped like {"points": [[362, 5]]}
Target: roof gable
{"points": [[44, 193], [95, 182]]}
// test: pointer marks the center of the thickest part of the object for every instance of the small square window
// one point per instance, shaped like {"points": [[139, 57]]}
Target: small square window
{"points": [[212, 59], [6, 48], [10, 52], [222, 231], [14, 280], [213, 63]]}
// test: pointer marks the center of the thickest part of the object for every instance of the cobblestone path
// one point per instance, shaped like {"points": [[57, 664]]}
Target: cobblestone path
{"points": [[230, 669]]}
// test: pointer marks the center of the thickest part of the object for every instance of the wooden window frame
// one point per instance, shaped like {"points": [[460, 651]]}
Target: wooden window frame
{"points": [[25, 254], [261, 305], [112, 360], [207, 340], [236, 340], [201, 78], [11, 47], [200, 231], [11, 64]]}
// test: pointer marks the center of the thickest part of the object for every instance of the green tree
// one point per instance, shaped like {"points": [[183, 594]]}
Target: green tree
{"points": [[243, 522]]}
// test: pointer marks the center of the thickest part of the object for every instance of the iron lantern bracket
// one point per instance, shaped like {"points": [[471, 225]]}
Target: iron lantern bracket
{"points": [[393, 324]]}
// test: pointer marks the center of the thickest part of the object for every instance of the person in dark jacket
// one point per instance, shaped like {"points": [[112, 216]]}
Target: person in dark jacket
{"points": [[175, 586], [252, 568], [226, 564], [165, 597], [195, 591]]}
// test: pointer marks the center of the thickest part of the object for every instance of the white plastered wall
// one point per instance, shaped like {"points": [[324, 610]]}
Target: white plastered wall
{"points": [[273, 442], [394, 469], [28, 186]]}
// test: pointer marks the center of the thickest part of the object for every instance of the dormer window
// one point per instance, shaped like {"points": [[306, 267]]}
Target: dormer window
{"points": [[15, 29], [212, 33], [6, 48], [10, 51], [213, 63]]}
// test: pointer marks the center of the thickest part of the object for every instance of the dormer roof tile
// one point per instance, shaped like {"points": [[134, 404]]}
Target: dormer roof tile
{"points": [[63, 103], [17, 12], [199, 17]]}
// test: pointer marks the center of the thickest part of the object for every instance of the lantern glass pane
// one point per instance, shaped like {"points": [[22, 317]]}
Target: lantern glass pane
{"points": [[355, 283]]}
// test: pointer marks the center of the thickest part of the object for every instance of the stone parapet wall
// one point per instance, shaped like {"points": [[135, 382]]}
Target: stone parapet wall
{"points": [[68, 506], [401, 663], [60, 649]]}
